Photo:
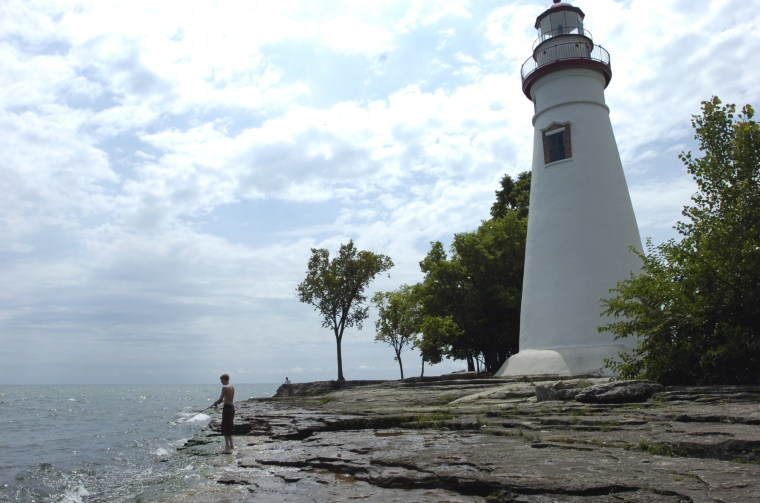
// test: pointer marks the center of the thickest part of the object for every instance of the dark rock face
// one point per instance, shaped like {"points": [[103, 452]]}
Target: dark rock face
{"points": [[619, 392], [318, 388], [491, 440]]}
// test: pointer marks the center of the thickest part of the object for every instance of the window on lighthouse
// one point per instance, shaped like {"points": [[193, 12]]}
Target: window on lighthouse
{"points": [[557, 146]]}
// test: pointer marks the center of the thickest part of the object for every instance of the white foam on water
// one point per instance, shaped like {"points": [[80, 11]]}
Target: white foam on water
{"points": [[199, 417], [161, 452], [75, 495]]}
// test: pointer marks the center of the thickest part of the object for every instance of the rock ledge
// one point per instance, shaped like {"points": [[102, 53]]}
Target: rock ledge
{"points": [[471, 439]]}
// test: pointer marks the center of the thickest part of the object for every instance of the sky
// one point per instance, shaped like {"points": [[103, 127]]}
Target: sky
{"points": [[167, 167]]}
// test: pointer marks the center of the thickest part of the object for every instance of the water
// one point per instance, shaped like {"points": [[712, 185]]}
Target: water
{"points": [[72, 444]]}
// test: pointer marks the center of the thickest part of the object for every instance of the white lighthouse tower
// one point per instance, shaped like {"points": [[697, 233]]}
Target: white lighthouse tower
{"points": [[581, 222]]}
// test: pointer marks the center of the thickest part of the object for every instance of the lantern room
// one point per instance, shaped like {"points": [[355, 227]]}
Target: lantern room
{"points": [[563, 43], [560, 19]]}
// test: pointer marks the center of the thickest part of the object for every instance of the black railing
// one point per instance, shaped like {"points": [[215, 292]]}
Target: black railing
{"points": [[561, 31], [564, 52]]}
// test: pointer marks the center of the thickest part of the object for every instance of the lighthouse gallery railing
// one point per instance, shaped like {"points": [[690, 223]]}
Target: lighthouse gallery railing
{"points": [[564, 52]]}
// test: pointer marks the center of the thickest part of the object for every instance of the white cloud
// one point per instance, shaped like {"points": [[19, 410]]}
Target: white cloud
{"points": [[167, 166], [427, 12]]}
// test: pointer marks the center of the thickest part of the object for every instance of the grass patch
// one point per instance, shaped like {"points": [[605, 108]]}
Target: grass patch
{"points": [[582, 411], [434, 421], [521, 434], [654, 449], [606, 427]]}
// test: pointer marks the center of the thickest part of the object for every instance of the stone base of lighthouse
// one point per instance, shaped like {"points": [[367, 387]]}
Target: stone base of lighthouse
{"points": [[570, 361]]}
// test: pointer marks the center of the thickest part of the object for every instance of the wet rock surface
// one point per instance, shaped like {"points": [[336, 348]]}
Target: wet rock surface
{"points": [[493, 440]]}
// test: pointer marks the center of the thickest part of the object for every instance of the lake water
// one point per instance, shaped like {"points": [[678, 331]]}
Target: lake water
{"points": [[98, 443]]}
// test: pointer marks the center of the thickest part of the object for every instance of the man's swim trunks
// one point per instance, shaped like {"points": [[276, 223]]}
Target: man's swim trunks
{"points": [[228, 418]]}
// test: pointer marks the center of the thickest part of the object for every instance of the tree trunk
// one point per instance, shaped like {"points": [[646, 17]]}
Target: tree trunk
{"points": [[400, 367], [470, 364], [422, 372], [340, 360]]}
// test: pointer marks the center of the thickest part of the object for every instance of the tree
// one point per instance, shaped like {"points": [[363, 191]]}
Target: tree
{"points": [[471, 300], [336, 288], [695, 306], [513, 196], [492, 259], [437, 335], [442, 298], [402, 322], [398, 320]]}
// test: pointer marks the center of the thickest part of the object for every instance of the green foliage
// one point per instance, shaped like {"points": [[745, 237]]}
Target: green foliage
{"points": [[695, 306], [398, 319], [514, 196], [471, 300], [492, 259], [336, 288], [438, 335]]}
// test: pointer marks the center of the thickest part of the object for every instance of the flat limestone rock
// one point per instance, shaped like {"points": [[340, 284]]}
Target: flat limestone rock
{"points": [[490, 440]]}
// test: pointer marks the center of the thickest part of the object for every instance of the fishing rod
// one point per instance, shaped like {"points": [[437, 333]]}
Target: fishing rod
{"points": [[194, 415], [204, 410]]}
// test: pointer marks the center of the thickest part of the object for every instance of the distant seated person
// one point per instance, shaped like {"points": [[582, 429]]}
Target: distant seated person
{"points": [[287, 381]]}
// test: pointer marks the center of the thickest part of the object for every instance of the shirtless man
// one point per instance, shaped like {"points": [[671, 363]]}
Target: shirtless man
{"points": [[228, 412]]}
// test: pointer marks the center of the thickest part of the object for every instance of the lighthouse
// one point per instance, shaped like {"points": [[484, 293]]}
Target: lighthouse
{"points": [[581, 224]]}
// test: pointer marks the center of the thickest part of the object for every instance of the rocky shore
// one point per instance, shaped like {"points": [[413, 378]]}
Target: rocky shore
{"points": [[463, 438]]}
